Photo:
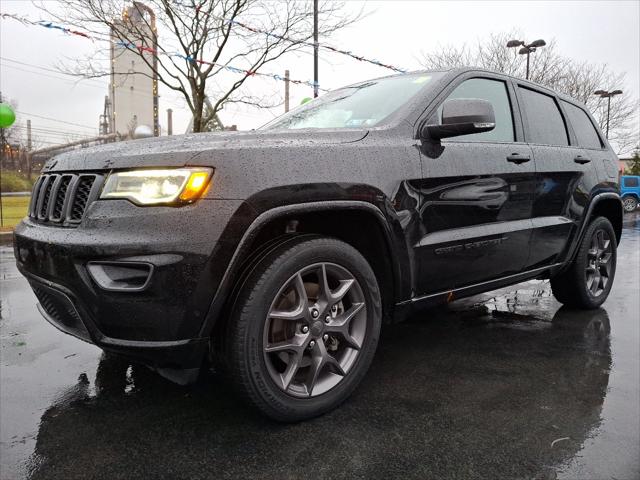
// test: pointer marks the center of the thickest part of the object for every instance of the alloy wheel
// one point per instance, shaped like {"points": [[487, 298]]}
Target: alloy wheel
{"points": [[314, 330], [630, 204], [598, 270]]}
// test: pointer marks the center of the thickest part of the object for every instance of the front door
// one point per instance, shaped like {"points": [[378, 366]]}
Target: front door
{"points": [[476, 198]]}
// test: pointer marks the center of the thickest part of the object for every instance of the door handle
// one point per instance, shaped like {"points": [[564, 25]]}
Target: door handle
{"points": [[517, 158], [581, 160]]}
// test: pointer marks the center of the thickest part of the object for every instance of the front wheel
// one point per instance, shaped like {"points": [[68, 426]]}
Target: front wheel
{"points": [[305, 328], [630, 203], [588, 280]]}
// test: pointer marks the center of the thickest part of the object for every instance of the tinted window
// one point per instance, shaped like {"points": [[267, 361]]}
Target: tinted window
{"points": [[631, 182], [546, 125], [581, 123], [493, 91]]}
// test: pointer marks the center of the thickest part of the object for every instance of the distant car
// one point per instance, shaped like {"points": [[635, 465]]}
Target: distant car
{"points": [[630, 192], [277, 254]]}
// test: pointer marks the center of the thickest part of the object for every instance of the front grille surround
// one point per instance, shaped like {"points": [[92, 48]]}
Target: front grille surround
{"points": [[61, 199]]}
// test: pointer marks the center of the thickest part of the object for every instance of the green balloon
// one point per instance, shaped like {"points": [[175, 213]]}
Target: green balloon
{"points": [[305, 100], [7, 115]]}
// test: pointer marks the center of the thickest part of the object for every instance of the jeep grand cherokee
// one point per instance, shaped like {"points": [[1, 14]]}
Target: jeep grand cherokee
{"points": [[277, 254]]}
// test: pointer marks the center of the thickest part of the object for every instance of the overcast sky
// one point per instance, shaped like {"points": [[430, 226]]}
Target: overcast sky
{"points": [[393, 31]]}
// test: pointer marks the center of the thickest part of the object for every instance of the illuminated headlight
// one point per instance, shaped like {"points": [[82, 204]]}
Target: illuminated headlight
{"points": [[153, 187]]}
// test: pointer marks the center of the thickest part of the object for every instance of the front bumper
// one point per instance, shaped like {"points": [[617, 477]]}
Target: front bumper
{"points": [[59, 307], [160, 324]]}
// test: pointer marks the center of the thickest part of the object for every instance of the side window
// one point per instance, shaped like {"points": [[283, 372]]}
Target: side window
{"points": [[546, 125], [493, 91], [631, 182], [582, 125]]}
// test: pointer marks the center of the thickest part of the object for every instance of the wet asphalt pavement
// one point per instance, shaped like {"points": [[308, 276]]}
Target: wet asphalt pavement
{"points": [[502, 385]]}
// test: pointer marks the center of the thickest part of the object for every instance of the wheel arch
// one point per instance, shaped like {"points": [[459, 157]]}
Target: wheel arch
{"points": [[607, 204], [611, 208], [349, 221]]}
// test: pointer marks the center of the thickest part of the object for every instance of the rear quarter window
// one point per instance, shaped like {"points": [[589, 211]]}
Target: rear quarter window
{"points": [[545, 122], [586, 133]]}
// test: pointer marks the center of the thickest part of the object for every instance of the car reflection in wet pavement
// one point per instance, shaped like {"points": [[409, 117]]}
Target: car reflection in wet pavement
{"points": [[502, 385]]}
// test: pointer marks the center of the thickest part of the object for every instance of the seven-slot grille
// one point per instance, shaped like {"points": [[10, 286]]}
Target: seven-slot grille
{"points": [[62, 198]]}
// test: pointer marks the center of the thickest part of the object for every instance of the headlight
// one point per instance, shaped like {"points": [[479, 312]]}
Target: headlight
{"points": [[153, 187]]}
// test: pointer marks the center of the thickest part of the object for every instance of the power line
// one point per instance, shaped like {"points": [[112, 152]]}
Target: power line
{"points": [[50, 130], [66, 80], [86, 81], [46, 135], [313, 44], [55, 120], [55, 135], [143, 48], [40, 67]]}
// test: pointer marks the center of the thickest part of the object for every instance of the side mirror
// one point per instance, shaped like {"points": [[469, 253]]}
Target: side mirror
{"points": [[462, 116]]}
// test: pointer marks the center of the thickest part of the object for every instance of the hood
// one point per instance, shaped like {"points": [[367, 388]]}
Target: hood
{"points": [[180, 150]]}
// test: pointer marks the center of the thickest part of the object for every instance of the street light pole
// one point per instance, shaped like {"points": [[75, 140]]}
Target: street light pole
{"points": [[526, 49], [315, 48], [607, 95], [608, 112]]}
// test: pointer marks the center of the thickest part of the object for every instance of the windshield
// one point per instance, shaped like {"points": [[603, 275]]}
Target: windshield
{"points": [[362, 105]]}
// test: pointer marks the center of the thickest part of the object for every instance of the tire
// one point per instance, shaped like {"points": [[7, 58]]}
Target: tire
{"points": [[296, 351], [630, 203], [587, 282]]}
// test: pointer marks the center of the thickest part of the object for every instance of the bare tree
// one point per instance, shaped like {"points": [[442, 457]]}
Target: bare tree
{"points": [[550, 68], [208, 38]]}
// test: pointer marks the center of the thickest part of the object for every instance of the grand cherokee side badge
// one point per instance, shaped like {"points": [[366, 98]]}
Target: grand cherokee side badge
{"points": [[469, 246]]}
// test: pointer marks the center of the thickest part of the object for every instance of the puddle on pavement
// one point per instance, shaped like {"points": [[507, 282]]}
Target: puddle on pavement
{"points": [[501, 385]]}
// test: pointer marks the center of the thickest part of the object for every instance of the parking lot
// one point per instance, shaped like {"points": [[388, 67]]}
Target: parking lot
{"points": [[503, 385]]}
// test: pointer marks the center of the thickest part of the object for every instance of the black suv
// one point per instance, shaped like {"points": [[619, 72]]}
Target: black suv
{"points": [[277, 254]]}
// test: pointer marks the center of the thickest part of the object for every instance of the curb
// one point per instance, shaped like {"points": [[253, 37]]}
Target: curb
{"points": [[15, 194]]}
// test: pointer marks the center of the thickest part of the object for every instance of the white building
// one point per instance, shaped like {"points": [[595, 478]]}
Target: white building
{"points": [[134, 86]]}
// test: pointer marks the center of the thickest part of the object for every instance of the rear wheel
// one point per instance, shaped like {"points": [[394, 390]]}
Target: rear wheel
{"points": [[305, 328], [587, 282], [630, 203]]}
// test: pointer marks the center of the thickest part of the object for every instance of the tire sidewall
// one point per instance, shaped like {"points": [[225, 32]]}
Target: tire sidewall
{"points": [[265, 283], [599, 223]]}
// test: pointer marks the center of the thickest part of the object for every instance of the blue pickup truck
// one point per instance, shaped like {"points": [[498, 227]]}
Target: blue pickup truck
{"points": [[630, 192]]}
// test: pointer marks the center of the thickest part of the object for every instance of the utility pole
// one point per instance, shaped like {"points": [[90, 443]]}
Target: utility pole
{"points": [[315, 48], [607, 95], [169, 121], [286, 91], [29, 147], [2, 144]]}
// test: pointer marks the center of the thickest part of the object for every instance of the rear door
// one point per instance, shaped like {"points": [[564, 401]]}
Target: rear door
{"points": [[476, 196], [565, 172]]}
